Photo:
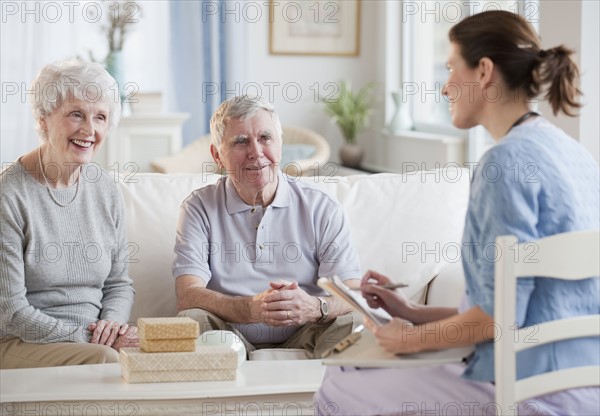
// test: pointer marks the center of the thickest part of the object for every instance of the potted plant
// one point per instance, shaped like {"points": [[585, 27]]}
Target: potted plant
{"points": [[350, 110]]}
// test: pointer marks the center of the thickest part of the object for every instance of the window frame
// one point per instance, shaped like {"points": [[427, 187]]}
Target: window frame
{"points": [[477, 138]]}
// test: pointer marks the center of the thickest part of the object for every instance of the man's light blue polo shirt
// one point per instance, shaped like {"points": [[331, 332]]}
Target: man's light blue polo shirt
{"points": [[238, 248]]}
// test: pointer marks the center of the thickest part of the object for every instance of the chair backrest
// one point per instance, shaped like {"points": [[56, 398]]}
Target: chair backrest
{"points": [[568, 256], [304, 166]]}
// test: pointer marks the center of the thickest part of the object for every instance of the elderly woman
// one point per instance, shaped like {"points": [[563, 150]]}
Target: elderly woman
{"points": [[493, 51], [65, 292], [250, 248]]}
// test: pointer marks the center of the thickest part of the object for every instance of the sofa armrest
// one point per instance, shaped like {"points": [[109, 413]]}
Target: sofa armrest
{"points": [[448, 287]]}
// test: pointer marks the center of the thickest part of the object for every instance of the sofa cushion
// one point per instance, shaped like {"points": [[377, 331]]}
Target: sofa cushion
{"points": [[448, 288], [152, 203], [408, 227]]}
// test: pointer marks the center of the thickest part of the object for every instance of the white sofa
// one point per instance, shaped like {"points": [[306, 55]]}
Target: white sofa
{"points": [[408, 227]]}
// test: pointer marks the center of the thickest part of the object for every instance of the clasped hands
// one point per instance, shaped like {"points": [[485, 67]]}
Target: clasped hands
{"points": [[113, 334], [284, 304]]}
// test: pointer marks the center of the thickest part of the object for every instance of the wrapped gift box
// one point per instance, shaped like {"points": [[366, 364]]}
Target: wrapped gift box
{"points": [[168, 328], [168, 345], [207, 363]]}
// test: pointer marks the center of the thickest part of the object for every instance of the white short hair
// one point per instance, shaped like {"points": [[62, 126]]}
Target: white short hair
{"points": [[239, 108], [74, 78]]}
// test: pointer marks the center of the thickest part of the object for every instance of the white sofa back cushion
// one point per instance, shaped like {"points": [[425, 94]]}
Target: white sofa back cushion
{"points": [[406, 226]]}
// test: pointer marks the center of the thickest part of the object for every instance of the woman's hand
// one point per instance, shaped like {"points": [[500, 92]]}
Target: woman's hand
{"points": [[106, 332], [288, 305], [128, 339], [391, 301], [459, 330], [397, 337], [372, 277]]}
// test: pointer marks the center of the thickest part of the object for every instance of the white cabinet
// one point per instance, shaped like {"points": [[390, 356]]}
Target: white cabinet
{"points": [[139, 139], [409, 151]]}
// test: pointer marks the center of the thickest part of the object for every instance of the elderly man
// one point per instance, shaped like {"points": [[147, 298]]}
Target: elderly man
{"points": [[251, 247]]}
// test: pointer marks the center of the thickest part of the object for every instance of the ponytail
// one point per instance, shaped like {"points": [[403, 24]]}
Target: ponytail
{"points": [[556, 68]]}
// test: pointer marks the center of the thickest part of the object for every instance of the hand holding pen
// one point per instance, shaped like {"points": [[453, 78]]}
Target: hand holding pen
{"points": [[373, 278], [379, 292]]}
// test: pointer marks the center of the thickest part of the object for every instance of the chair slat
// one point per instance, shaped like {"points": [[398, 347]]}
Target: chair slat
{"points": [[576, 327], [564, 256], [546, 383]]}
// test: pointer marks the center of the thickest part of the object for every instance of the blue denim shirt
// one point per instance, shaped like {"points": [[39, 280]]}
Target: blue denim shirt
{"points": [[534, 183]]}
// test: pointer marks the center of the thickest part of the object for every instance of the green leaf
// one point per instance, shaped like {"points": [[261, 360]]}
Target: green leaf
{"points": [[349, 109]]}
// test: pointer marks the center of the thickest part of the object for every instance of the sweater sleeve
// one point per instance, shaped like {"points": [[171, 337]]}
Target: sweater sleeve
{"points": [[17, 317], [118, 290]]}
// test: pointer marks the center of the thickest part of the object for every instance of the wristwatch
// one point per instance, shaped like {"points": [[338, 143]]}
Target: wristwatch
{"points": [[324, 309]]}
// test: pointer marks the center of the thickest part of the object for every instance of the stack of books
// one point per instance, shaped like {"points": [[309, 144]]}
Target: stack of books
{"points": [[169, 352]]}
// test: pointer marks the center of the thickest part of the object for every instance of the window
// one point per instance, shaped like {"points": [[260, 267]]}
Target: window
{"points": [[425, 50]]}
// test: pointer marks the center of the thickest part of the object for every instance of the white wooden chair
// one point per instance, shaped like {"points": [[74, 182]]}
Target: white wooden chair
{"points": [[570, 256]]}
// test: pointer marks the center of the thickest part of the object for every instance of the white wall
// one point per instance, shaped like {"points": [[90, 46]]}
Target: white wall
{"points": [[575, 24], [589, 126], [309, 75], [147, 49], [560, 23]]}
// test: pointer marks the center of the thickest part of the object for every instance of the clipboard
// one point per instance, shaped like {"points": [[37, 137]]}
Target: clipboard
{"points": [[337, 288], [366, 353]]}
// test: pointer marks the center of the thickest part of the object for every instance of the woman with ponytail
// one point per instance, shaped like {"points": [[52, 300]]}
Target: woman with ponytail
{"points": [[535, 181]]}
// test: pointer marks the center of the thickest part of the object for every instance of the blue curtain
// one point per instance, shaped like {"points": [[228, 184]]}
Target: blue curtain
{"points": [[203, 38]]}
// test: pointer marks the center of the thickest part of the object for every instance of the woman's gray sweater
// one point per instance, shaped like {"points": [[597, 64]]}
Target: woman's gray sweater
{"points": [[62, 267]]}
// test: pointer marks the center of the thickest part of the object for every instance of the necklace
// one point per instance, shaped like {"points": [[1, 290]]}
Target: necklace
{"points": [[522, 119], [48, 184]]}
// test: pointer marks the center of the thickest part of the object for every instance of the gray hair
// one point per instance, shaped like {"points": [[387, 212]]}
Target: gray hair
{"points": [[239, 108], [62, 80]]}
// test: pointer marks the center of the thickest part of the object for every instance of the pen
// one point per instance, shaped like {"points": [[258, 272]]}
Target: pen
{"points": [[390, 286]]}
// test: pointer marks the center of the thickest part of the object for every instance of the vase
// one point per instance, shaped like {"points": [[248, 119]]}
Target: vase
{"points": [[114, 66], [401, 119], [351, 155]]}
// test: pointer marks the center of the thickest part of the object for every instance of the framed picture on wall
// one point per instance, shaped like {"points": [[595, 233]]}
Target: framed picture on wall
{"points": [[315, 27]]}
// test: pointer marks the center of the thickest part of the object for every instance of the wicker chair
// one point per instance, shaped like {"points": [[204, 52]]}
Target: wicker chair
{"points": [[196, 157]]}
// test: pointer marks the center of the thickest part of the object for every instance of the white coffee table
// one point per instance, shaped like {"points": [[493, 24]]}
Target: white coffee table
{"points": [[261, 387]]}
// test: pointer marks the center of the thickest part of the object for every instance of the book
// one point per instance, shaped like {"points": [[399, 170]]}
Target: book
{"points": [[337, 288]]}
